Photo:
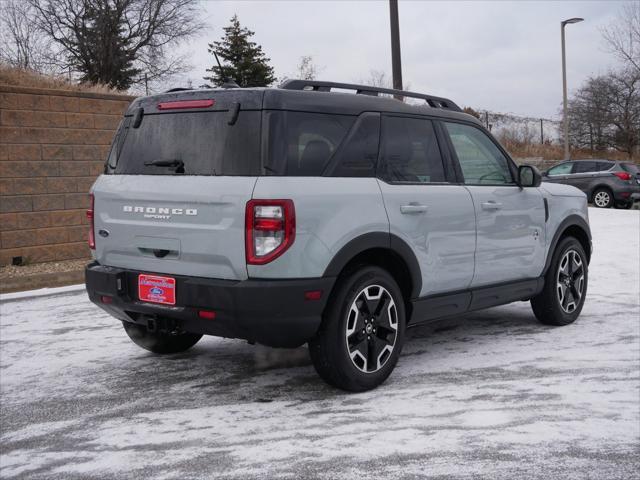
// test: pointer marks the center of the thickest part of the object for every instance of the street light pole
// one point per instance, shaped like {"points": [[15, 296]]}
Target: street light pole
{"points": [[396, 63], [564, 86]]}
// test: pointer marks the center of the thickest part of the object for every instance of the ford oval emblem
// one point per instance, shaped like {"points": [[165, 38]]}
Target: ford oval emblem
{"points": [[156, 291]]}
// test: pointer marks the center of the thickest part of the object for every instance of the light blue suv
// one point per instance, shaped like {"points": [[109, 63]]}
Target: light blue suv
{"points": [[302, 215]]}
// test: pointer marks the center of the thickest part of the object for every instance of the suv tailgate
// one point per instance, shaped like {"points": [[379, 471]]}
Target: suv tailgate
{"points": [[181, 225]]}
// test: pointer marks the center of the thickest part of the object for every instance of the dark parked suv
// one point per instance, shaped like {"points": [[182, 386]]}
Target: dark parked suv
{"points": [[606, 183]]}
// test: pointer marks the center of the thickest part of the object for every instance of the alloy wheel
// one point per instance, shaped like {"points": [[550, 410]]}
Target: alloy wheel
{"points": [[602, 199], [371, 328], [570, 281]]}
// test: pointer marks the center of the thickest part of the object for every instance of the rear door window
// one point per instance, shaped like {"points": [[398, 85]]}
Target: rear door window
{"points": [[410, 152], [358, 152], [585, 166], [302, 143]]}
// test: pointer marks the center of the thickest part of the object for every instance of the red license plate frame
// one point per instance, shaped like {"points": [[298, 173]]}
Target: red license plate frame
{"points": [[157, 289]]}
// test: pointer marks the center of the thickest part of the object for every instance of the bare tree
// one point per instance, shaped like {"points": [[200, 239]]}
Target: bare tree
{"points": [[22, 44], [119, 42], [378, 78], [624, 105], [519, 134], [605, 113], [307, 69], [590, 115], [622, 37]]}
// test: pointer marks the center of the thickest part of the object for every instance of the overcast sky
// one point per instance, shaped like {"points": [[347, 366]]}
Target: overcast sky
{"points": [[501, 56]]}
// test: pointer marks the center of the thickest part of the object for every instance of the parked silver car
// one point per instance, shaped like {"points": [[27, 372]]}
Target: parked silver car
{"points": [[301, 215], [606, 183]]}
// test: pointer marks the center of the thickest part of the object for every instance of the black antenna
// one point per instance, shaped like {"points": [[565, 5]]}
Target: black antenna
{"points": [[226, 83]]}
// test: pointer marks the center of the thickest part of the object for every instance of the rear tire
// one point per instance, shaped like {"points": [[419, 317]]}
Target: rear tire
{"points": [[362, 331], [565, 285], [603, 198], [158, 342]]}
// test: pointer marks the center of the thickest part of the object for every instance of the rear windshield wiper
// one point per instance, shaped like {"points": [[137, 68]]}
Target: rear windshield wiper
{"points": [[177, 164]]}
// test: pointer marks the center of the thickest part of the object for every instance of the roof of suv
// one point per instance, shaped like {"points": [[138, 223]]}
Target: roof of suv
{"points": [[305, 100]]}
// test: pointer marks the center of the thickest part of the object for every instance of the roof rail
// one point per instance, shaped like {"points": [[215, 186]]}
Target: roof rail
{"points": [[319, 86], [178, 89]]}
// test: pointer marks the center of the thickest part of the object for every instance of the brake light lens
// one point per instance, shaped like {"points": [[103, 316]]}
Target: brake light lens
{"points": [[623, 175], [92, 236], [270, 229], [313, 295], [185, 104], [106, 299], [207, 314]]}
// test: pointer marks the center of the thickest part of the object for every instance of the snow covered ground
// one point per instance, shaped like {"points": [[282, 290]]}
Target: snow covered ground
{"points": [[491, 395]]}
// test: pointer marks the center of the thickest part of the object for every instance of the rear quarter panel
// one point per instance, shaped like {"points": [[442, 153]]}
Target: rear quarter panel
{"points": [[329, 213]]}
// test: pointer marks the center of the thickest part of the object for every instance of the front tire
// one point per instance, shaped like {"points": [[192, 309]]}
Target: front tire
{"points": [[565, 285], [362, 331], [603, 198], [158, 342]]}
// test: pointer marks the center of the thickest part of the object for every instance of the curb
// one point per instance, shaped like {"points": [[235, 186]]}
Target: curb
{"points": [[39, 284], [42, 292]]}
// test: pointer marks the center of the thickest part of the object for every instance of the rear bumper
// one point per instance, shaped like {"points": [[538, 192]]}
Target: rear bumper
{"points": [[271, 312], [628, 194]]}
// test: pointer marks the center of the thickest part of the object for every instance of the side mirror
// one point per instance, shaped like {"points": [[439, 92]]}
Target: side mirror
{"points": [[529, 176]]}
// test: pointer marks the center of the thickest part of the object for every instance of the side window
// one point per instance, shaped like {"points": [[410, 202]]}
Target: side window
{"points": [[480, 160], [604, 166], [358, 153], [301, 144], [562, 169], [116, 144], [410, 151], [585, 167]]}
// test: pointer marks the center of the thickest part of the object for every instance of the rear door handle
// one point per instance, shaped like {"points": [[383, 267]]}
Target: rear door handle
{"points": [[413, 208], [491, 205]]}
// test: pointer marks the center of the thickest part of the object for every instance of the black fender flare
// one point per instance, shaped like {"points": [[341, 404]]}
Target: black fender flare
{"points": [[371, 240], [570, 221]]}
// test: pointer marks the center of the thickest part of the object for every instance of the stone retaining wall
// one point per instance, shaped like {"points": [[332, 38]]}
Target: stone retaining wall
{"points": [[53, 144]]}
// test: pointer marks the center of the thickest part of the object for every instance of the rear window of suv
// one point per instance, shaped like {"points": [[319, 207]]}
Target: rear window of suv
{"points": [[294, 143], [203, 141]]}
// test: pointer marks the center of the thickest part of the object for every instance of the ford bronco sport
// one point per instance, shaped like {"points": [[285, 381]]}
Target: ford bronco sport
{"points": [[300, 214]]}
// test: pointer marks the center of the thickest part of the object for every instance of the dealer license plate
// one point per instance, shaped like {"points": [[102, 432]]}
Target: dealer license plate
{"points": [[156, 289]]}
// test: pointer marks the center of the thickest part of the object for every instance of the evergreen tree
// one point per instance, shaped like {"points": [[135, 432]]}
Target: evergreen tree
{"points": [[243, 61], [106, 52]]}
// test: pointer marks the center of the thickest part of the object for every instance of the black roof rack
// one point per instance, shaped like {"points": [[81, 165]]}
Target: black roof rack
{"points": [[178, 89], [319, 86]]}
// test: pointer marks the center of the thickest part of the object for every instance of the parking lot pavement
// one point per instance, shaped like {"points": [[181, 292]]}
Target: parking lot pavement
{"points": [[494, 395]]}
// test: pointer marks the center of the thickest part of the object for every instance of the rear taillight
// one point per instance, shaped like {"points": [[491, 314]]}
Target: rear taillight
{"points": [[270, 228], [623, 175], [92, 236]]}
